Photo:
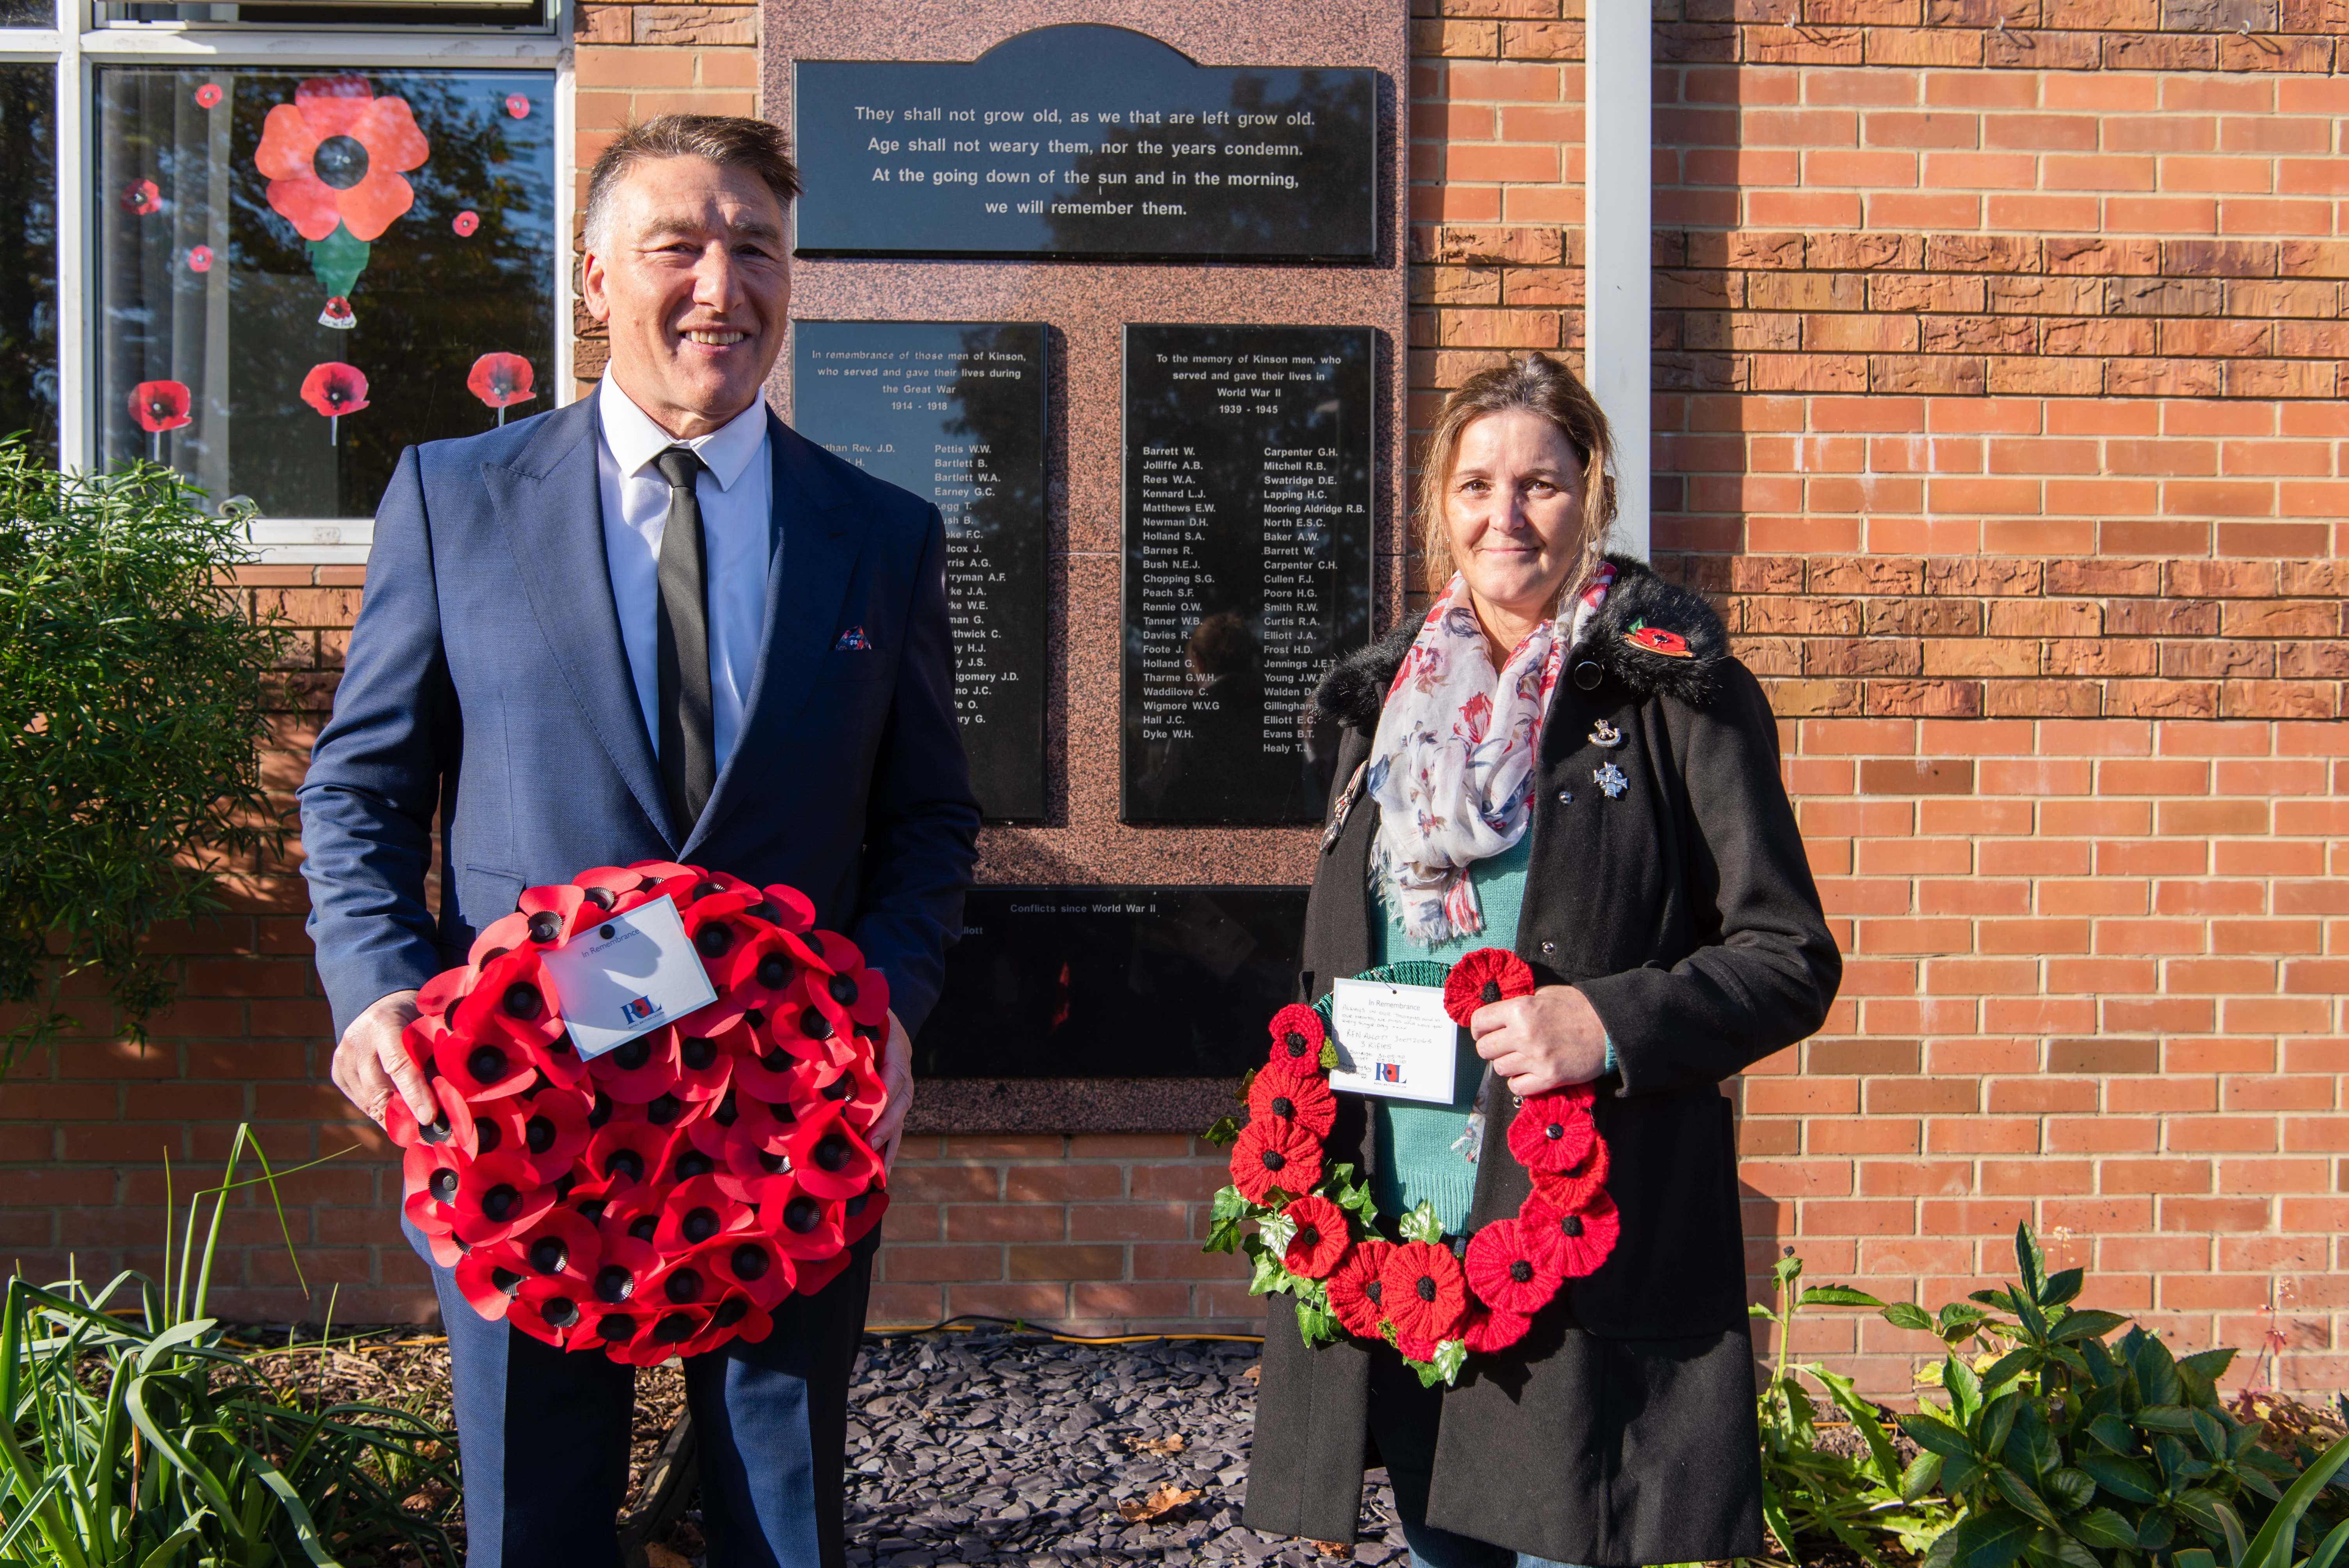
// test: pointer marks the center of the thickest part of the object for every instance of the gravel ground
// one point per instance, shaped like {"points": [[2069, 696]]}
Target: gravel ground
{"points": [[969, 1450]]}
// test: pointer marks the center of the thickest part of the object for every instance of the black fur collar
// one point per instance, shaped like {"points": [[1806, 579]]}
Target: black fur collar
{"points": [[1355, 689]]}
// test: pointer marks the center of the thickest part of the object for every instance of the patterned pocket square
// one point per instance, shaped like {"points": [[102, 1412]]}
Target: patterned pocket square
{"points": [[853, 641]]}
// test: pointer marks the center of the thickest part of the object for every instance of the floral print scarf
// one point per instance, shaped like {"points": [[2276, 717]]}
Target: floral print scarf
{"points": [[1452, 765]]}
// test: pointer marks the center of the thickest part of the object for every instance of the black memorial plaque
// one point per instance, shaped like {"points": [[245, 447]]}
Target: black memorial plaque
{"points": [[954, 411], [1112, 982], [1248, 455], [1086, 142]]}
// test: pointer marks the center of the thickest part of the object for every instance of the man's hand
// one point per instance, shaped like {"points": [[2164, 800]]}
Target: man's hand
{"points": [[1541, 1042], [897, 1078], [370, 1062]]}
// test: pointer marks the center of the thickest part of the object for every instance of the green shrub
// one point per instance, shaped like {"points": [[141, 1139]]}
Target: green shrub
{"points": [[2061, 1445], [130, 690], [133, 1436]]}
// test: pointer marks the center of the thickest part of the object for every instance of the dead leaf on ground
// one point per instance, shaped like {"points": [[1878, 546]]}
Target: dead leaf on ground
{"points": [[661, 1556], [1250, 1375], [1173, 1443], [1333, 1548], [1166, 1500]]}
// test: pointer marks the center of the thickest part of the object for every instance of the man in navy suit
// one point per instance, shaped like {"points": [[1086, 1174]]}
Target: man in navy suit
{"points": [[656, 624]]}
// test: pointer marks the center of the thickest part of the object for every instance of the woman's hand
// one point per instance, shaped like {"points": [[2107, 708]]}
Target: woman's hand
{"points": [[1541, 1042]]}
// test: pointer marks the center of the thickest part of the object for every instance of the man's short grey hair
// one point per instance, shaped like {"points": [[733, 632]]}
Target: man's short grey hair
{"points": [[728, 141]]}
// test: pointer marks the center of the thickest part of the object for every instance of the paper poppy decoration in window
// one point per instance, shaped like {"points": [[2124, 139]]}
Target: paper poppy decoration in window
{"points": [[199, 258], [160, 406], [334, 389], [465, 222], [208, 96], [335, 157], [1319, 1239], [670, 1195], [141, 198], [500, 380]]}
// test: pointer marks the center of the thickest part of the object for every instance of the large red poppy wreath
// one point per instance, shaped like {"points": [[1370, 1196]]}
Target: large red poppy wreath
{"points": [[670, 1195], [1318, 1237]]}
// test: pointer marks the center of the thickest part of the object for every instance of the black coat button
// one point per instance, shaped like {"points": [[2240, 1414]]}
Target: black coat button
{"points": [[1587, 674]]}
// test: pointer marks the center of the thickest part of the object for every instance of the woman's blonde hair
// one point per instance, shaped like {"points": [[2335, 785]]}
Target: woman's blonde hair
{"points": [[1539, 385]]}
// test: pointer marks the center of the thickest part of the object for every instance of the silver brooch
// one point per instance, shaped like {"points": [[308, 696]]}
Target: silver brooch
{"points": [[1610, 780], [1605, 734]]}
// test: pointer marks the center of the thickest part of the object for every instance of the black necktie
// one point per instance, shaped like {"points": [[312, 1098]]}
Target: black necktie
{"points": [[688, 751]]}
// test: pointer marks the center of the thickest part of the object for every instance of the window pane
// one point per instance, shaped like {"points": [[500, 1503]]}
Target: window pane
{"points": [[28, 14], [29, 228], [298, 276]]}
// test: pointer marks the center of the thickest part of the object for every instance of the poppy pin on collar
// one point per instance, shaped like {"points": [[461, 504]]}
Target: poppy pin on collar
{"points": [[1605, 734], [1610, 780], [1656, 640]]}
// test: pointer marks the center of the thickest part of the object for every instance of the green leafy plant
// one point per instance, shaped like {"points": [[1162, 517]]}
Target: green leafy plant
{"points": [[1809, 1492], [131, 694], [132, 1435], [2066, 1447]]}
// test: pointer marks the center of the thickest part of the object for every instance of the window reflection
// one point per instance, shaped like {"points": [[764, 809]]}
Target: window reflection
{"points": [[29, 228], [300, 275]]}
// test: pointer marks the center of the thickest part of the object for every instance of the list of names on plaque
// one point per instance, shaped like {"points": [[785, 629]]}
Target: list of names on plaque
{"points": [[954, 411], [1248, 456]]}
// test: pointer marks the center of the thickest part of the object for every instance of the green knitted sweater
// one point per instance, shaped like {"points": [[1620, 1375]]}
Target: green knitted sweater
{"points": [[1412, 1145]]}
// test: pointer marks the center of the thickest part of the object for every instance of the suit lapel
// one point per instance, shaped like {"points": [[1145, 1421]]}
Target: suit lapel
{"points": [[550, 502], [819, 531]]}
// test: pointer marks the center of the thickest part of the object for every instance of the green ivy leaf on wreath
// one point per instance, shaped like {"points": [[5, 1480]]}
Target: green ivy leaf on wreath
{"points": [[1421, 1224], [1224, 1133]]}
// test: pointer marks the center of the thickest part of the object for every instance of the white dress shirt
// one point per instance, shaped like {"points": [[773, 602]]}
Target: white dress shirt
{"points": [[736, 532]]}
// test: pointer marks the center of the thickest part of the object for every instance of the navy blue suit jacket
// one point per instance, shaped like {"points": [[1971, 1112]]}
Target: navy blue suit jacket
{"points": [[486, 684]]}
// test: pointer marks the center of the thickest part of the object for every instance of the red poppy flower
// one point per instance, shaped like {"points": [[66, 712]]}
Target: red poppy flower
{"points": [[759, 977], [674, 1328], [141, 198], [1486, 976], [334, 389], [445, 1249], [1490, 1328], [861, 1216], [1421, 1287], [465, 222], [1582, 1237], [1573, 1187], [736, 1316], [498, 938], [498, 1196], [208, 96], [438, 997], [1272, 1154], [692, 1212], [160, 406], [517, 106], [485, 1068], [623, 1264], [428, 1179], [806, 1227], [512, 1001], [552, 916], [548, 1310], [853, 994], [754, 1265], [613, 889], [335, 155], [859, 1090], [608, 1328], [704, 1067], [552, 1130], [561, 1245], [1297, 1038], [500, 380], [1656, 640], [786, 908], [628, 1149], [1514, 1267], [774, 1074], [637, 1071], [828, 1159], [488, 1285], [1301, 1098], [1354, 1287], [199, 258], [452, 1128], [1552, 1132], [1320, 1240]]}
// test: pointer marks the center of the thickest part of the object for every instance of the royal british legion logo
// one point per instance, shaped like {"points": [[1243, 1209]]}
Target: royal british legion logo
{"points": [[1387, 1072], [637, 1011]]}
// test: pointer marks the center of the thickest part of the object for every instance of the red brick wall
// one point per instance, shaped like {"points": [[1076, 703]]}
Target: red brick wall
{"points": [[1997, 372]]}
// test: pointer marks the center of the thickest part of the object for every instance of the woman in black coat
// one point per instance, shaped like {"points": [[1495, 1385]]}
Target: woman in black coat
{"points": [[1672, 924]]}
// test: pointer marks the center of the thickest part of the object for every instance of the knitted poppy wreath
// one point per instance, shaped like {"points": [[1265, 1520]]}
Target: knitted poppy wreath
{"points": [[669, 1194], [1317, 1236]]}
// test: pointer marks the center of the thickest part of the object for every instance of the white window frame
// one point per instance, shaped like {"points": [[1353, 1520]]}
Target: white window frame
{"points": [[1619, 150], [78, 45]]}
